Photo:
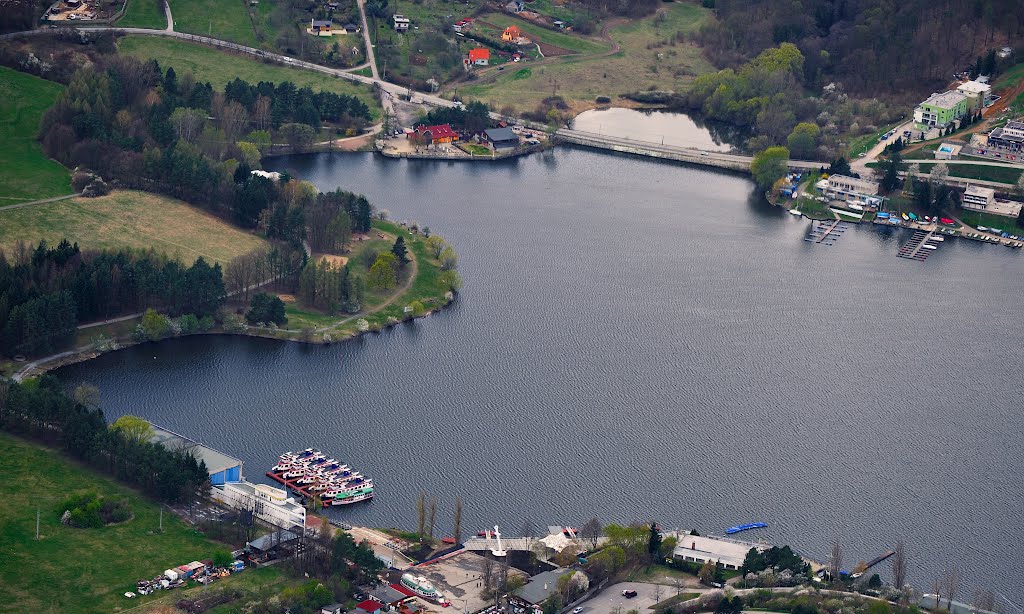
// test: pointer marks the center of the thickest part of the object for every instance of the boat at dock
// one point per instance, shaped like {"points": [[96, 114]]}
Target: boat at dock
{"points": [[311, 473]]}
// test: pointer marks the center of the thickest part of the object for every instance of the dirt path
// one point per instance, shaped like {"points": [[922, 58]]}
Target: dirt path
{"points": [[40, 202]]}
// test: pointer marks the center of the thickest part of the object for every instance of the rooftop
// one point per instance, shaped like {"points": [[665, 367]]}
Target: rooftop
{"points": [[945, 100], [541, 586], [733, 552], [215, 460], [501, 134], [270, 540], [980, 192], [368, 605], [322, 23], [974, 87], [388, 595], [437, 132]]}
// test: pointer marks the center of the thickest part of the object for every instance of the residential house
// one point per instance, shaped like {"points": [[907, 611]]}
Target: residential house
{"points": [[558, 23], [1004, 53], [699, 549], [320, 26], [512, 34], [401, 22], [940, 110], [977, 94], [369, 607], [978, 198], [542, 586], [1009, 137], [850, 190], [334, 608], [501, 138], [479, 56], [351, 28], [436, 135], [390, 595]]}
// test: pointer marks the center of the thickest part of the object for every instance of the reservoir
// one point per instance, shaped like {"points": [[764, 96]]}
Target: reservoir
{"points": [[640, 340]]}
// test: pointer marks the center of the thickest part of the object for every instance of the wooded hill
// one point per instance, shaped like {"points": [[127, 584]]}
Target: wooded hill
{"points": [[870, 46]]}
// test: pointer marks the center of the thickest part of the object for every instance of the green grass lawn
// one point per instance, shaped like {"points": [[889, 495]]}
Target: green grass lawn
{"points": [[25, 171], [144, 14], [863, 143], [225, 19], [128, 219], [1001, 174], [79, 570], [649, 57], [570, 42], [220, 67], [978, 218]]}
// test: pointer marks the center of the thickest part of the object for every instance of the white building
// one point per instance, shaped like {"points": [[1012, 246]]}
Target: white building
{"points": [[850, 190], [401, 23], [700, 549], [978, 198], [977, 94], [267, 503]]}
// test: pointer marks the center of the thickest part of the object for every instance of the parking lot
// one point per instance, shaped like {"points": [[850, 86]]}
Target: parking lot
{"points": [[611, 601]]}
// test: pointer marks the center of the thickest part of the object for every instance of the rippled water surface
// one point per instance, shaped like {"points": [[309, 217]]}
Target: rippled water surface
{"points": [[636, 340]]}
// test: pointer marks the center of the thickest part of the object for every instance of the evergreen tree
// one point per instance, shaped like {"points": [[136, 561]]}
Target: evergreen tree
{"points": [[654, 541], [400, 252]]}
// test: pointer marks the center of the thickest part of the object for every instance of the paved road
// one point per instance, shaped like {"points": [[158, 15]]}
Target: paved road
{"points": [[366, 39], [860, 164], [377, 540]]}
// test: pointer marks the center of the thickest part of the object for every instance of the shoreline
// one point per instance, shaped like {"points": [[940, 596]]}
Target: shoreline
{"points": [[41, 366]]}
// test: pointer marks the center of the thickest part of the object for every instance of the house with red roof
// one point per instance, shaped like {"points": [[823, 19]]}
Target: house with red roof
{"points": [[369, 607], [480, 56], [512, 34], [436, 135]]}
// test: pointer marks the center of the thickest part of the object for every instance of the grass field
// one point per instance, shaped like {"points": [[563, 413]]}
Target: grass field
{"points": [[128, 219], [636, 67], [79, 570], [572, 42], [144, 14], [1002, 174], [25, 171], [219, 67], [227, 20], [979, 218]]}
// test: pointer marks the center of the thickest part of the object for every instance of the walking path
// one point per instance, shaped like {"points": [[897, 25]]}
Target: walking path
{"points": [[366, 39], [167, 13], [40, 202]]}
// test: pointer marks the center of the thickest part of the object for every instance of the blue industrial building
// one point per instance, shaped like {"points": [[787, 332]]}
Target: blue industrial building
{"points": [[222, 468]]}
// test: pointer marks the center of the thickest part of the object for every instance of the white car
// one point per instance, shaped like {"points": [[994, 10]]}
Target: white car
{"points": [[577, 610]]}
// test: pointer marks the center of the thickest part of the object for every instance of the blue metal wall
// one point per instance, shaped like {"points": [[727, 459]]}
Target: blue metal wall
{"points": [[231, 474]]}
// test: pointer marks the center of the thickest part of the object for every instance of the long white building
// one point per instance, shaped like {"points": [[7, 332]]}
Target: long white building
{"points": [[267, 503], [700, 549]]}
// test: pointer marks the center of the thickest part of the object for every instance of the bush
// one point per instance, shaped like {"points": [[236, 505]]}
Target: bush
{"points": [[266, 308], [188, 323], [603, 100], [90, 511]]}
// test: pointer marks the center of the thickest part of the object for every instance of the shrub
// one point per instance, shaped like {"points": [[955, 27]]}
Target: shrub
{"points": [[603, 100], [188, 323], [90, 511], [266, 308]]}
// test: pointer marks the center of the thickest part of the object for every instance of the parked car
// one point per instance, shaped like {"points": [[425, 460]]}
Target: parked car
{"points": [[628, 594]]}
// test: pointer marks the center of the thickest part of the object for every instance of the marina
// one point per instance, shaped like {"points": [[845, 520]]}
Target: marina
{"points": [[827, 232], [920, 245], [310, 473]]}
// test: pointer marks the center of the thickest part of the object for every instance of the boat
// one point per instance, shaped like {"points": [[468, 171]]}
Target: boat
{"points": [[913, 216], [929, 246], [906, 218], [983, 228], [745, 527], [422, 588], [795, 212], [939, 239]]}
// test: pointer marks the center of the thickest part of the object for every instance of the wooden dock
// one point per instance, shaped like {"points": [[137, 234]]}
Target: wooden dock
{"points": [[915, 249], [826, 232]]}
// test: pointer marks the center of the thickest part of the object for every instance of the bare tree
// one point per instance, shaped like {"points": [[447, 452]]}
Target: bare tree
{"points": [[234, 121], [937, 589], [487, 572], [592, 531], [188, 123], [458, 521], [87, 395], [951, 579], [528, 530], [433, 514], [657, 593], [899, 566], [421, 514], [261, 113], [835, 561]]}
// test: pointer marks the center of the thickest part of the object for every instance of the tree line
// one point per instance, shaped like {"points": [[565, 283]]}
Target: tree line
{"points": [[271, 105], [46, 291], [40, 410]]}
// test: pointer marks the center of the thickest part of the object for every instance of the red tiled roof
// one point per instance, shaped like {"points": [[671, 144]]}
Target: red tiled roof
{"points": [[437, 132], [369, 605], [479, 54], [403, 590]]}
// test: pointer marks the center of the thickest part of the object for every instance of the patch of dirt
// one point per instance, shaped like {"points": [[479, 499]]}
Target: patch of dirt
{"points": [[550, 51], [338, 261]]}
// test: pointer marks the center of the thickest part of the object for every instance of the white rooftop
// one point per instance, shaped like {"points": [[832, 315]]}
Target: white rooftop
{"points": [[215, 460], [945, 100], [722, 550], [974, 87], [977, 190]]}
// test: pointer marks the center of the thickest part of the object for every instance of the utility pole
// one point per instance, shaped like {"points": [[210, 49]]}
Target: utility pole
{"points": [[37, 523]]}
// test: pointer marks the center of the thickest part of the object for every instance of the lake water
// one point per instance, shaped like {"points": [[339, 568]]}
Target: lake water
{"points": [[657, 127], [640, 340]]}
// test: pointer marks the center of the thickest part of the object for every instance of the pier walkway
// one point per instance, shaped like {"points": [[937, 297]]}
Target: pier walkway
{"points": [[826, 232], [915, 249]]}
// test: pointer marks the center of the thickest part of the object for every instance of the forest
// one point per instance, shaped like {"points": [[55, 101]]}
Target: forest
{"points": [[873, 47], [47, 291], [40, 410]]}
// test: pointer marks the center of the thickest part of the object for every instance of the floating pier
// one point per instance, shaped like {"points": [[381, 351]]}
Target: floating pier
{"points": [[919, 247], [826, 232]]}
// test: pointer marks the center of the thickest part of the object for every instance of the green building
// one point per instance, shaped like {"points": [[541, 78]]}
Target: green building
{"points": [[939, 110]]}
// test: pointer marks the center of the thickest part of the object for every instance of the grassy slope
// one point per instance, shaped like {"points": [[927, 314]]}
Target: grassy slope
{"points": [[25, 171], [219, 67], [77, 570], [535, 33], [128, 218], [144, 14], [224, 19], [634, 68], [1002, 174]]}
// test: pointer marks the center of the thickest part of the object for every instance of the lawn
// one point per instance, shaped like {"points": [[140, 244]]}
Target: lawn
{"points": [[535, 33], [25, 171], [978, 218], [79, 570], [220, 67], [144, 14], [863, 143], [230, 20], [128, 219], [1001, 174], [651, 55]]}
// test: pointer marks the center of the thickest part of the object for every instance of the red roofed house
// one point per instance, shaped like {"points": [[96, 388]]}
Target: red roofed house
{"points": [[369, 607], [437, 134], [511, 34], [479, 57]]}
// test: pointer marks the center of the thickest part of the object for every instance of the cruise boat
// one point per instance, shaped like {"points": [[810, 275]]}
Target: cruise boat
{"points": [[348, 498], [422, 587]]}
